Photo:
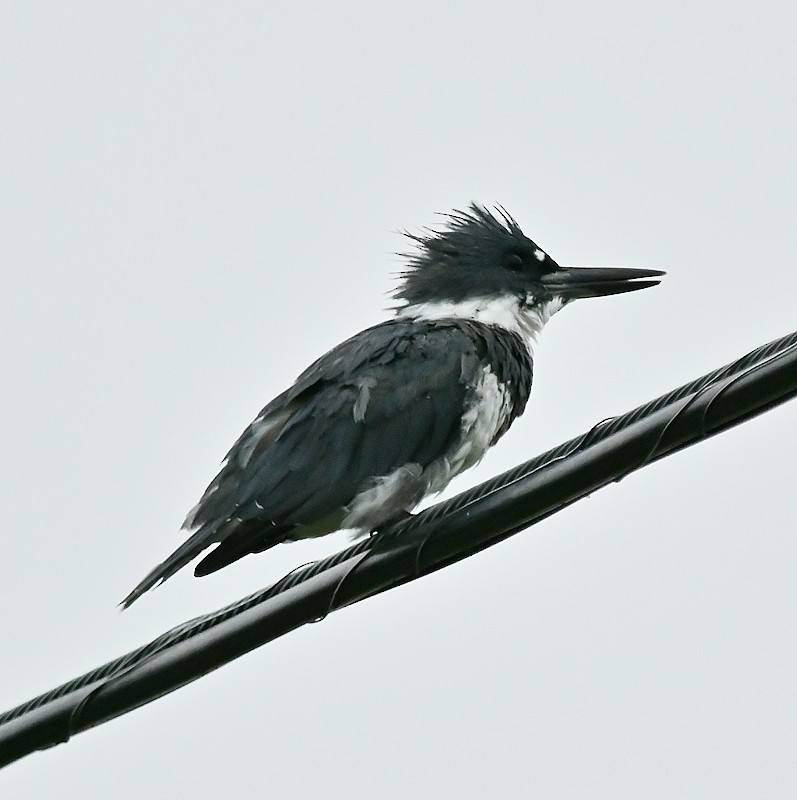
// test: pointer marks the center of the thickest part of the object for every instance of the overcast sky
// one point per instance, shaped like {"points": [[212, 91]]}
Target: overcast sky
{"points": [[199, 198]]}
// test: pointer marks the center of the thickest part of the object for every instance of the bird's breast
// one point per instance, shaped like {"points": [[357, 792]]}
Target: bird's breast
{"points": [[488, 410]]}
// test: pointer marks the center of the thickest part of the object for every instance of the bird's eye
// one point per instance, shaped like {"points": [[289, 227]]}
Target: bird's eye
{"points": [[513, 261]]}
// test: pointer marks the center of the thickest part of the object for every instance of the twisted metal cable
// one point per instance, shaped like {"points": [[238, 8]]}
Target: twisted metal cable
{"points": [[411, 535]]}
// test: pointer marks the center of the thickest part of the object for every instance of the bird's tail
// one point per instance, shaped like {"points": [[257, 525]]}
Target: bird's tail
{"points": [[192, 547], [248, 537], [236, 538]]}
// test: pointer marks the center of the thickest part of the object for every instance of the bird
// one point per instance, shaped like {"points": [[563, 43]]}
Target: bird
{"points": [[394, 413]]}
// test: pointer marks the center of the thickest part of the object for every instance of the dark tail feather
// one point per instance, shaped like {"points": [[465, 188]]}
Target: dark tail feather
{"points": [[254, 537], [195, 544]]}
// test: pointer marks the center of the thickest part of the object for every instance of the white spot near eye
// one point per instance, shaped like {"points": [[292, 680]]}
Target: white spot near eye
{"points": [[539, 255]]}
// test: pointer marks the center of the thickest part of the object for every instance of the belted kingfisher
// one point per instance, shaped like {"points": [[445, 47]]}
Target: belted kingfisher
{"points": [[392, 414]]}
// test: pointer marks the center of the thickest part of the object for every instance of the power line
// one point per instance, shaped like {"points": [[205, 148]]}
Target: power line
{"points": [[432, 539]]}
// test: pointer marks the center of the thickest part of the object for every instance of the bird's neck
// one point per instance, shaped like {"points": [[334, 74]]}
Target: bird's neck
{"points": [[511, 313]]}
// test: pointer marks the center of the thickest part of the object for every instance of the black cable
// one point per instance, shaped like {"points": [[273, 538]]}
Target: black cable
{"points": [[447, 532]]}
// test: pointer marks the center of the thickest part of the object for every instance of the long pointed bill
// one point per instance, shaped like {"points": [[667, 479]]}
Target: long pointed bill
{"points": [[575, 282]]}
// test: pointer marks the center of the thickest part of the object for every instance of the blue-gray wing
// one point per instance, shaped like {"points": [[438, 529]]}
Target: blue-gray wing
{"points": [[389, 396]]}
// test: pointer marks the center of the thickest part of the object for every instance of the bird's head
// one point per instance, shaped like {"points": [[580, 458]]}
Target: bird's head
{"points": [[480, 260]]}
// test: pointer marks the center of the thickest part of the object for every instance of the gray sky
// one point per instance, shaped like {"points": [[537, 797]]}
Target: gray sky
{"points": [[199, 198]]}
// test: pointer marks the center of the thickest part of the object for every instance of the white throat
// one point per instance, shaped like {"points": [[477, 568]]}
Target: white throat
{"points": [[509, 312]]}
